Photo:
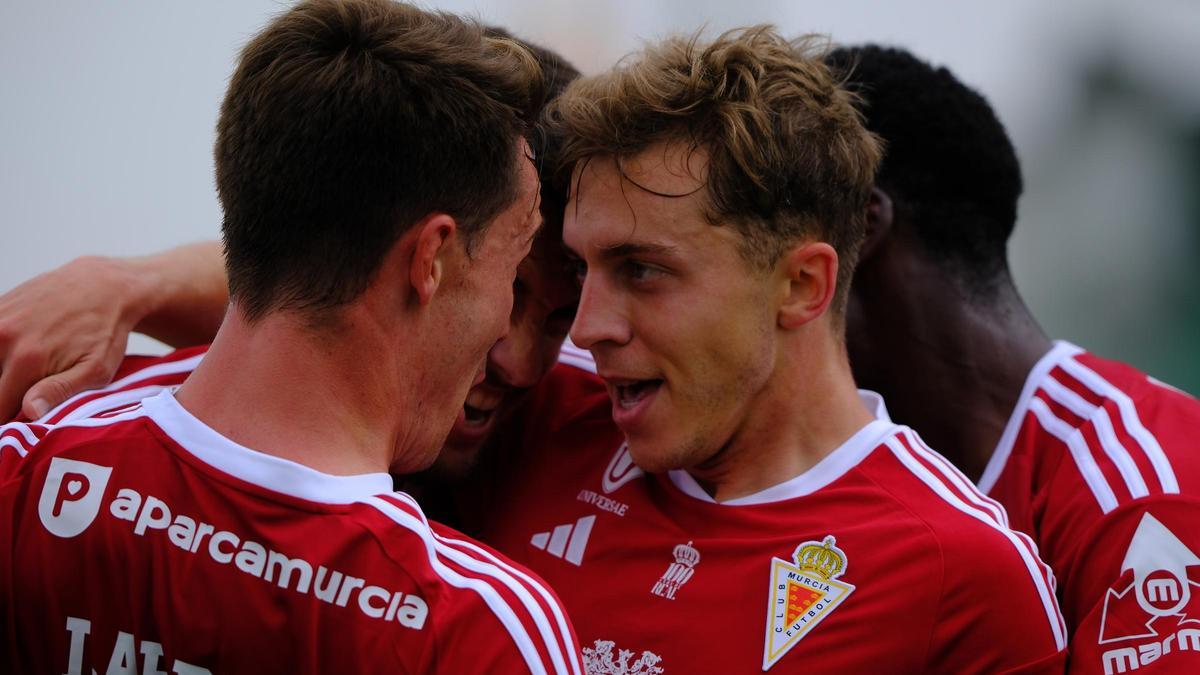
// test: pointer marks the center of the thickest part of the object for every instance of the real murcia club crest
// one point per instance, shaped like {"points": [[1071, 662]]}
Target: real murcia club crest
{"points": [[686, 559], [804, 591]]}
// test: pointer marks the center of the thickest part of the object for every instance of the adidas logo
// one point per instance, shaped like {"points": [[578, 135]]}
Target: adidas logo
{"points": [[566, 541]]}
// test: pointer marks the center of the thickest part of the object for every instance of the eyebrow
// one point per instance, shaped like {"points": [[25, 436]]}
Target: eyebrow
{"points": [[626, 250]]}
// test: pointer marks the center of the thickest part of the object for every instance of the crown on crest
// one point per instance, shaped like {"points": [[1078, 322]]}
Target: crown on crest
{"points": [[825, 558], [685, 554]]}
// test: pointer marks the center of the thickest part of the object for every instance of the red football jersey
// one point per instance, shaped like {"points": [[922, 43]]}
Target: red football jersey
{"points": [[143, 541], [1101, 465], [881, 558], [137, 377]]}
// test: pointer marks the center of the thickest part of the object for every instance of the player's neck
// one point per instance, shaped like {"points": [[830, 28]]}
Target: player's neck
{"points": [[808, 409], [962, 373], [276, 387]]}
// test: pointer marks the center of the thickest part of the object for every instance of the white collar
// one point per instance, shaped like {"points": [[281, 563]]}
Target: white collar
{"points": [[830, 468], [1059, 351], [267, 471]]}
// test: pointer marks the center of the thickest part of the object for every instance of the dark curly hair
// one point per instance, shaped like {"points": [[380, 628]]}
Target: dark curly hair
{"points": [[948, 164]]}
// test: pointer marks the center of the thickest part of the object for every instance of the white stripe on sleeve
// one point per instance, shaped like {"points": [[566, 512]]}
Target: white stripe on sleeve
{"points": [[1079, 452], [1109, 442], [500, 608], [1032, 564], [1129, 417]]}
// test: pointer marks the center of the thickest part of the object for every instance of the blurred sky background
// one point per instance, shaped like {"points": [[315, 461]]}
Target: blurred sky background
{"points": [[107, 111]]}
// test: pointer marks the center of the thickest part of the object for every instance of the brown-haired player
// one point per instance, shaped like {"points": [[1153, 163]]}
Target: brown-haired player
{"points": [[718, 496], [378, 196], [715, 225]]}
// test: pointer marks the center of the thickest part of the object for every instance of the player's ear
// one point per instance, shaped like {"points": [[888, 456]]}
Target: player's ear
{"points": [[434, 242], [879, 221], [811, 274]]}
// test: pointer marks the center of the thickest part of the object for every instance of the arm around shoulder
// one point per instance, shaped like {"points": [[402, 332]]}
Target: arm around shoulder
{"points": [[66, 330]]}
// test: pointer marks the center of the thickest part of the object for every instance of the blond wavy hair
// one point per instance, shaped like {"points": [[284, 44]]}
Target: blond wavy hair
{"points": [[788, 155]]}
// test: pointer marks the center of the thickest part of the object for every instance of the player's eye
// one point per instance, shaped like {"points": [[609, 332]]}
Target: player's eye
{"points": [[639, 272], [578, 269]]}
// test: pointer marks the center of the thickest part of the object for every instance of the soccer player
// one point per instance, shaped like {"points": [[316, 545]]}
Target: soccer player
{"points": [[1093, 459], [718, 496], [806, 480], [65, 332], [245, 522]]}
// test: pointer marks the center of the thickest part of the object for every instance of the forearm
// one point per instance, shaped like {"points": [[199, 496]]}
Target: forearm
{"points": [[177, 296]]}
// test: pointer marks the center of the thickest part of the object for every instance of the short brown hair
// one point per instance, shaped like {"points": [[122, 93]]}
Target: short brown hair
{"points": [[788, 156], [557, 73], [348, 121]]}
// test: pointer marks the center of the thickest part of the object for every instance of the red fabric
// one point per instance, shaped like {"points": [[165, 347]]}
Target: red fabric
{"points": [[1086, 541], [191, 573], [935, 589]]}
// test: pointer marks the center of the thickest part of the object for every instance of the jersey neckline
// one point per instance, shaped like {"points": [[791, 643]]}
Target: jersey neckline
{"points": [[1058, 352], [254, 467], [833, 466]]}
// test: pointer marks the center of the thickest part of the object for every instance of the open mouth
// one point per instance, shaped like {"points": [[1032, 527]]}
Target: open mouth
{"points": [[630, 394], [476, 417]]}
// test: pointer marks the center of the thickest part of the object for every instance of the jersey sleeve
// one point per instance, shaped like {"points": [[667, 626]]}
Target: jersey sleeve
{"points": [[137, 377], [1135, 588], [17, 440], [485, 642], [997, 613], [496, 616]]}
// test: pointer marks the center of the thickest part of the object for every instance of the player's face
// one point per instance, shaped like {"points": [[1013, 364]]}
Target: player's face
{"points": [[482, 301], [544, 298], [681, 327]]}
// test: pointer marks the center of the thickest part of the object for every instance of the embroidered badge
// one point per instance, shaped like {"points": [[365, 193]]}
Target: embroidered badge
{"points": [[686, 559], [600, 660], [804, 591]]}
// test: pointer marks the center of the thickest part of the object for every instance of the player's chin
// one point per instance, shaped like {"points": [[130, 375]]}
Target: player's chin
{"points": [[656, 452]]}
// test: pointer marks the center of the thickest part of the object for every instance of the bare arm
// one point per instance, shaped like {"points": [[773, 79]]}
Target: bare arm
{"points": [[66, 330]]}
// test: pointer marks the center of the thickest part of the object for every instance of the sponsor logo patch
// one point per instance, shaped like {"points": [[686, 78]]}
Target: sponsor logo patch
{"points": [[1153, 603], [71, 496], [804, 590]]}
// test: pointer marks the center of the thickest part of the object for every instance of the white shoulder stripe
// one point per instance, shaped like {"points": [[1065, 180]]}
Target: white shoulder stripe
{"points": [[500, 608], [1067, 398], [156, 370], [31, 440], [10, 442], [574, 356], [1079, 452], [1129, 417], [1032, 564], [23, 429], [995, 466], [104, 421], [560, 618], [1109, 442], [113, 401], [952, 474], [21, 445]]}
